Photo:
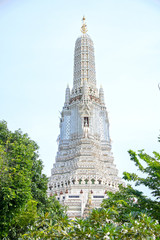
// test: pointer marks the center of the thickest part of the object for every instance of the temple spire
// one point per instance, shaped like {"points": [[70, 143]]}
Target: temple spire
{"points": [[84, 62], [67, 96], [84, 163], [84, 26], [101, 95]]}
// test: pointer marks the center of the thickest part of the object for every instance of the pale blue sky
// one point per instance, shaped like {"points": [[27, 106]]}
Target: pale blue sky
{"points": [[36, 62]]}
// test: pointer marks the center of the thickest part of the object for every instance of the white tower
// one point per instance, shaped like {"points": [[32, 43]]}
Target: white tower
{"points": [[84, 167]]}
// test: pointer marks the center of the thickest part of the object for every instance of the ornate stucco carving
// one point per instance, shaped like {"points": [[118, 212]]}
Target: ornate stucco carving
{"points": [[84, 161]]}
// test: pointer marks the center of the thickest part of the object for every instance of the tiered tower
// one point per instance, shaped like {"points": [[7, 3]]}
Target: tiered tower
{"points": [[84, 163]]}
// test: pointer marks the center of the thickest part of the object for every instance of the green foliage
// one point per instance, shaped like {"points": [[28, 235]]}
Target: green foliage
{"points": [[23, 220], [128, 200], [120, 217], [152, 170], [21, 182], [17, 152], [82, 229], [50, 224], [39, 184]]}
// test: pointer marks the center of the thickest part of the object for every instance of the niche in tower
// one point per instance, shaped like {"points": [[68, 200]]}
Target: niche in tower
{"points": [[86, 121]]}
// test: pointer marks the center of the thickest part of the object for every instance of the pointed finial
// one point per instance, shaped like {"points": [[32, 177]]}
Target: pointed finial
{"points": [[84, 26], [67, 85]]}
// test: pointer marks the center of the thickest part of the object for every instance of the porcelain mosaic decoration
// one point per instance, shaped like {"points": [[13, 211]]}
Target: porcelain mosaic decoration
{"points": [[84, 169]]}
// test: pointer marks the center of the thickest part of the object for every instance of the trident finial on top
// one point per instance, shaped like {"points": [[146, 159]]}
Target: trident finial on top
{"points": [[84, 26]]}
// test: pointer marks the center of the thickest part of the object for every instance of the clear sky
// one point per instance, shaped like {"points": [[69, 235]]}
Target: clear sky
{"points": [[37, 40]]}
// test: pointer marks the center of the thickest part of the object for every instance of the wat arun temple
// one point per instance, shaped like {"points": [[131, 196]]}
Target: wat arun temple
{"points": [[84, 168]]}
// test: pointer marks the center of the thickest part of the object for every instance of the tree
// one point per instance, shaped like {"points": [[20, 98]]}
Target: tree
{"points": [[21, 180], [151, 179], [39, 183], [50, 224], [17, 152]]}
